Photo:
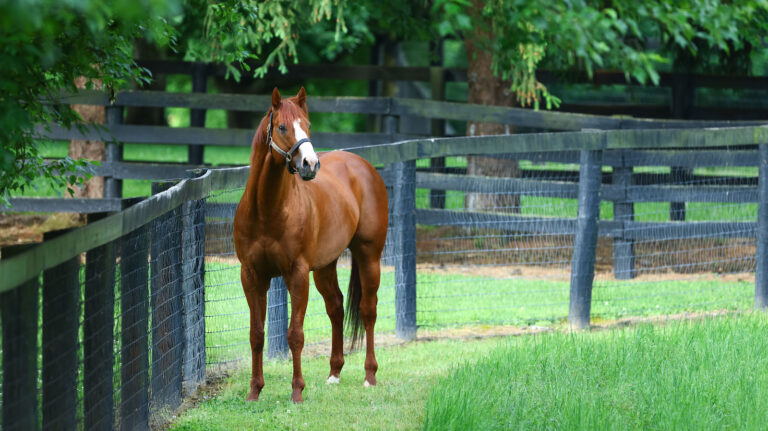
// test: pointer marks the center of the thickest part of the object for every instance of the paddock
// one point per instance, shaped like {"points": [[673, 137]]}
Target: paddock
{"points": [[600, 237]]}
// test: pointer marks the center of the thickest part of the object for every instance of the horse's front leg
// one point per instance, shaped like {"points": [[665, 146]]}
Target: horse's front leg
{"points": [[255, 288], [298, 286]]}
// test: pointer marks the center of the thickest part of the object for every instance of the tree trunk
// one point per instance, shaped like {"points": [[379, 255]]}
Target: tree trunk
{"points": [[487, 89], [89, 150]]}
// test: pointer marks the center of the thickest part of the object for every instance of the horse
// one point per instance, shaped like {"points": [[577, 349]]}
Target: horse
{"points": [[295, 218]]}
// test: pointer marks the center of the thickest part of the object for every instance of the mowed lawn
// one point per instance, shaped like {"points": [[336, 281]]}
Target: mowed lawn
{"points": [[406, 374], [455, 300], [700, 374]]}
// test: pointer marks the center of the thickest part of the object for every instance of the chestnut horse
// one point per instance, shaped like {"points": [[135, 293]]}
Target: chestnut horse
{"points": [[288, 225]]}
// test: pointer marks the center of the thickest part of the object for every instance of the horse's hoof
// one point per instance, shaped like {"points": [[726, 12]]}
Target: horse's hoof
{"points": [[252, 397], [297, 398], [368, 385], [332, 380]]}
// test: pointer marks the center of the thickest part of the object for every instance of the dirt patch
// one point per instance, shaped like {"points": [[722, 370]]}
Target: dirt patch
{"points": [[555, 273], [210, 389], [28, 228], [564, 274], [449, 245]]}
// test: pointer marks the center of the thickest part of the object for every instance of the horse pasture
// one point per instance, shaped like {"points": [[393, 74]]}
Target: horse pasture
{"points": [[704, 373]]}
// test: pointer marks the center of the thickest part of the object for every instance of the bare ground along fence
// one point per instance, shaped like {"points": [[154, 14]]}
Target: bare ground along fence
{"points": [[110, 325]]}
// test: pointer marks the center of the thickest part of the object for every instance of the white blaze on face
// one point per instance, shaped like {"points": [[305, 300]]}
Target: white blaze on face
{"points": [[306, 150]]}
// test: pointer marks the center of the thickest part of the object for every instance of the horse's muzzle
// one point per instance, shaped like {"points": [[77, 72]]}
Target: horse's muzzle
{"points": [[307, 172]]}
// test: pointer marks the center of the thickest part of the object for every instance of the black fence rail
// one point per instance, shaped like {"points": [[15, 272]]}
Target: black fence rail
{"points": [[675, 97], [114, 133], [151, 270]]}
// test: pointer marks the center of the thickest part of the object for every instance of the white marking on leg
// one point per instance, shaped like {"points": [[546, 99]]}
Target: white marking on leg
{"points": [[366, 384], [332, 380]]}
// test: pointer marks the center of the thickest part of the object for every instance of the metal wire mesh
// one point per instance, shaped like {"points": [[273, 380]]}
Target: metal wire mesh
{"points": [[227, 313], [492, 255], [116, 336], [503, 254], [693, 255], [98, 342]]}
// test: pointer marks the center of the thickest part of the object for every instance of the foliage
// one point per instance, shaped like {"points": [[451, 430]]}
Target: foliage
{"points": [[44, 46], [639, 38], [236, 31]]}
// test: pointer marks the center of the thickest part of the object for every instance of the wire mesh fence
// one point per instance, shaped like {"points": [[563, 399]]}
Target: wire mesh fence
{"points": [[98, 341], [494, 245], [695, 254], [115, 336], [227, 312], [501, 250]]}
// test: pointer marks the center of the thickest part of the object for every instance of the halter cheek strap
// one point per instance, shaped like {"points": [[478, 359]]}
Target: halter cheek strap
{"points": [[288, 155]]}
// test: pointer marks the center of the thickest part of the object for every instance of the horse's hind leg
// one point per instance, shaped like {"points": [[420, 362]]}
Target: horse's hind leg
{"points": [[370, 275], [298, 286], [327, 284], [255, 289]]}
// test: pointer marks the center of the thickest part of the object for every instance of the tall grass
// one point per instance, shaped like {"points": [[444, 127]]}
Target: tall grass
{"points": [[697, 375]]}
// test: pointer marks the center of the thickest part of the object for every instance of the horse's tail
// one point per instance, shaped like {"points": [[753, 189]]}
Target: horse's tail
{"points": [[354, 295]]}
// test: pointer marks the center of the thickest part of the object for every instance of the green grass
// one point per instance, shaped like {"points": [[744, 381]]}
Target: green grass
{"points": [[682, 376], [460, 300], [706, 374], [405, 376]]}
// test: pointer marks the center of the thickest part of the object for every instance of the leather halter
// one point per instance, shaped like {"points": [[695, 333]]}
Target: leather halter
{"points": [[288, 155]]}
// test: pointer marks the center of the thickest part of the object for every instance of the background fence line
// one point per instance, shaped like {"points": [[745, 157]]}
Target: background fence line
{"points": [[114, 169]]}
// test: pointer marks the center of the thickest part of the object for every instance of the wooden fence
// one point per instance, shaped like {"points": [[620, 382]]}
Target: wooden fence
{"points": [[114, 169], [680, 101], [620, 187], [142, 398]]}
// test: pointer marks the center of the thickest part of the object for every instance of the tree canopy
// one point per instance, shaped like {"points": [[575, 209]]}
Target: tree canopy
{"points": [[46, 44]]}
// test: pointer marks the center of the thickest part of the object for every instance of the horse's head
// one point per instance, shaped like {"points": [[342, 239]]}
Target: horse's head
{"points": [[288, 131]]}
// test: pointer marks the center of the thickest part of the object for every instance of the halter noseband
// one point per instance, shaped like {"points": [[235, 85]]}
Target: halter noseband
{"points": [[288, 155]]}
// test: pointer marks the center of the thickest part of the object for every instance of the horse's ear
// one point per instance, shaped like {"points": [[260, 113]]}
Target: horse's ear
{"points": [[301, 98], [275, 98]]}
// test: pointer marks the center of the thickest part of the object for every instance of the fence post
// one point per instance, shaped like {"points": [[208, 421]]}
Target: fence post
{"points": [[98, 338], [678, 176], [404, 244], [193, 293], [761, 273], [166, 303], [113, 187], [682, 102], [585, 246], [19, 313], [134, 343], [61, 299], [277, 319], [437, 81], [197, 116], [623, 211]]}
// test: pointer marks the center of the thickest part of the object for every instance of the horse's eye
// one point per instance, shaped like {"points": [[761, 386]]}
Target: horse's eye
{"points": [[282, 128]]}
